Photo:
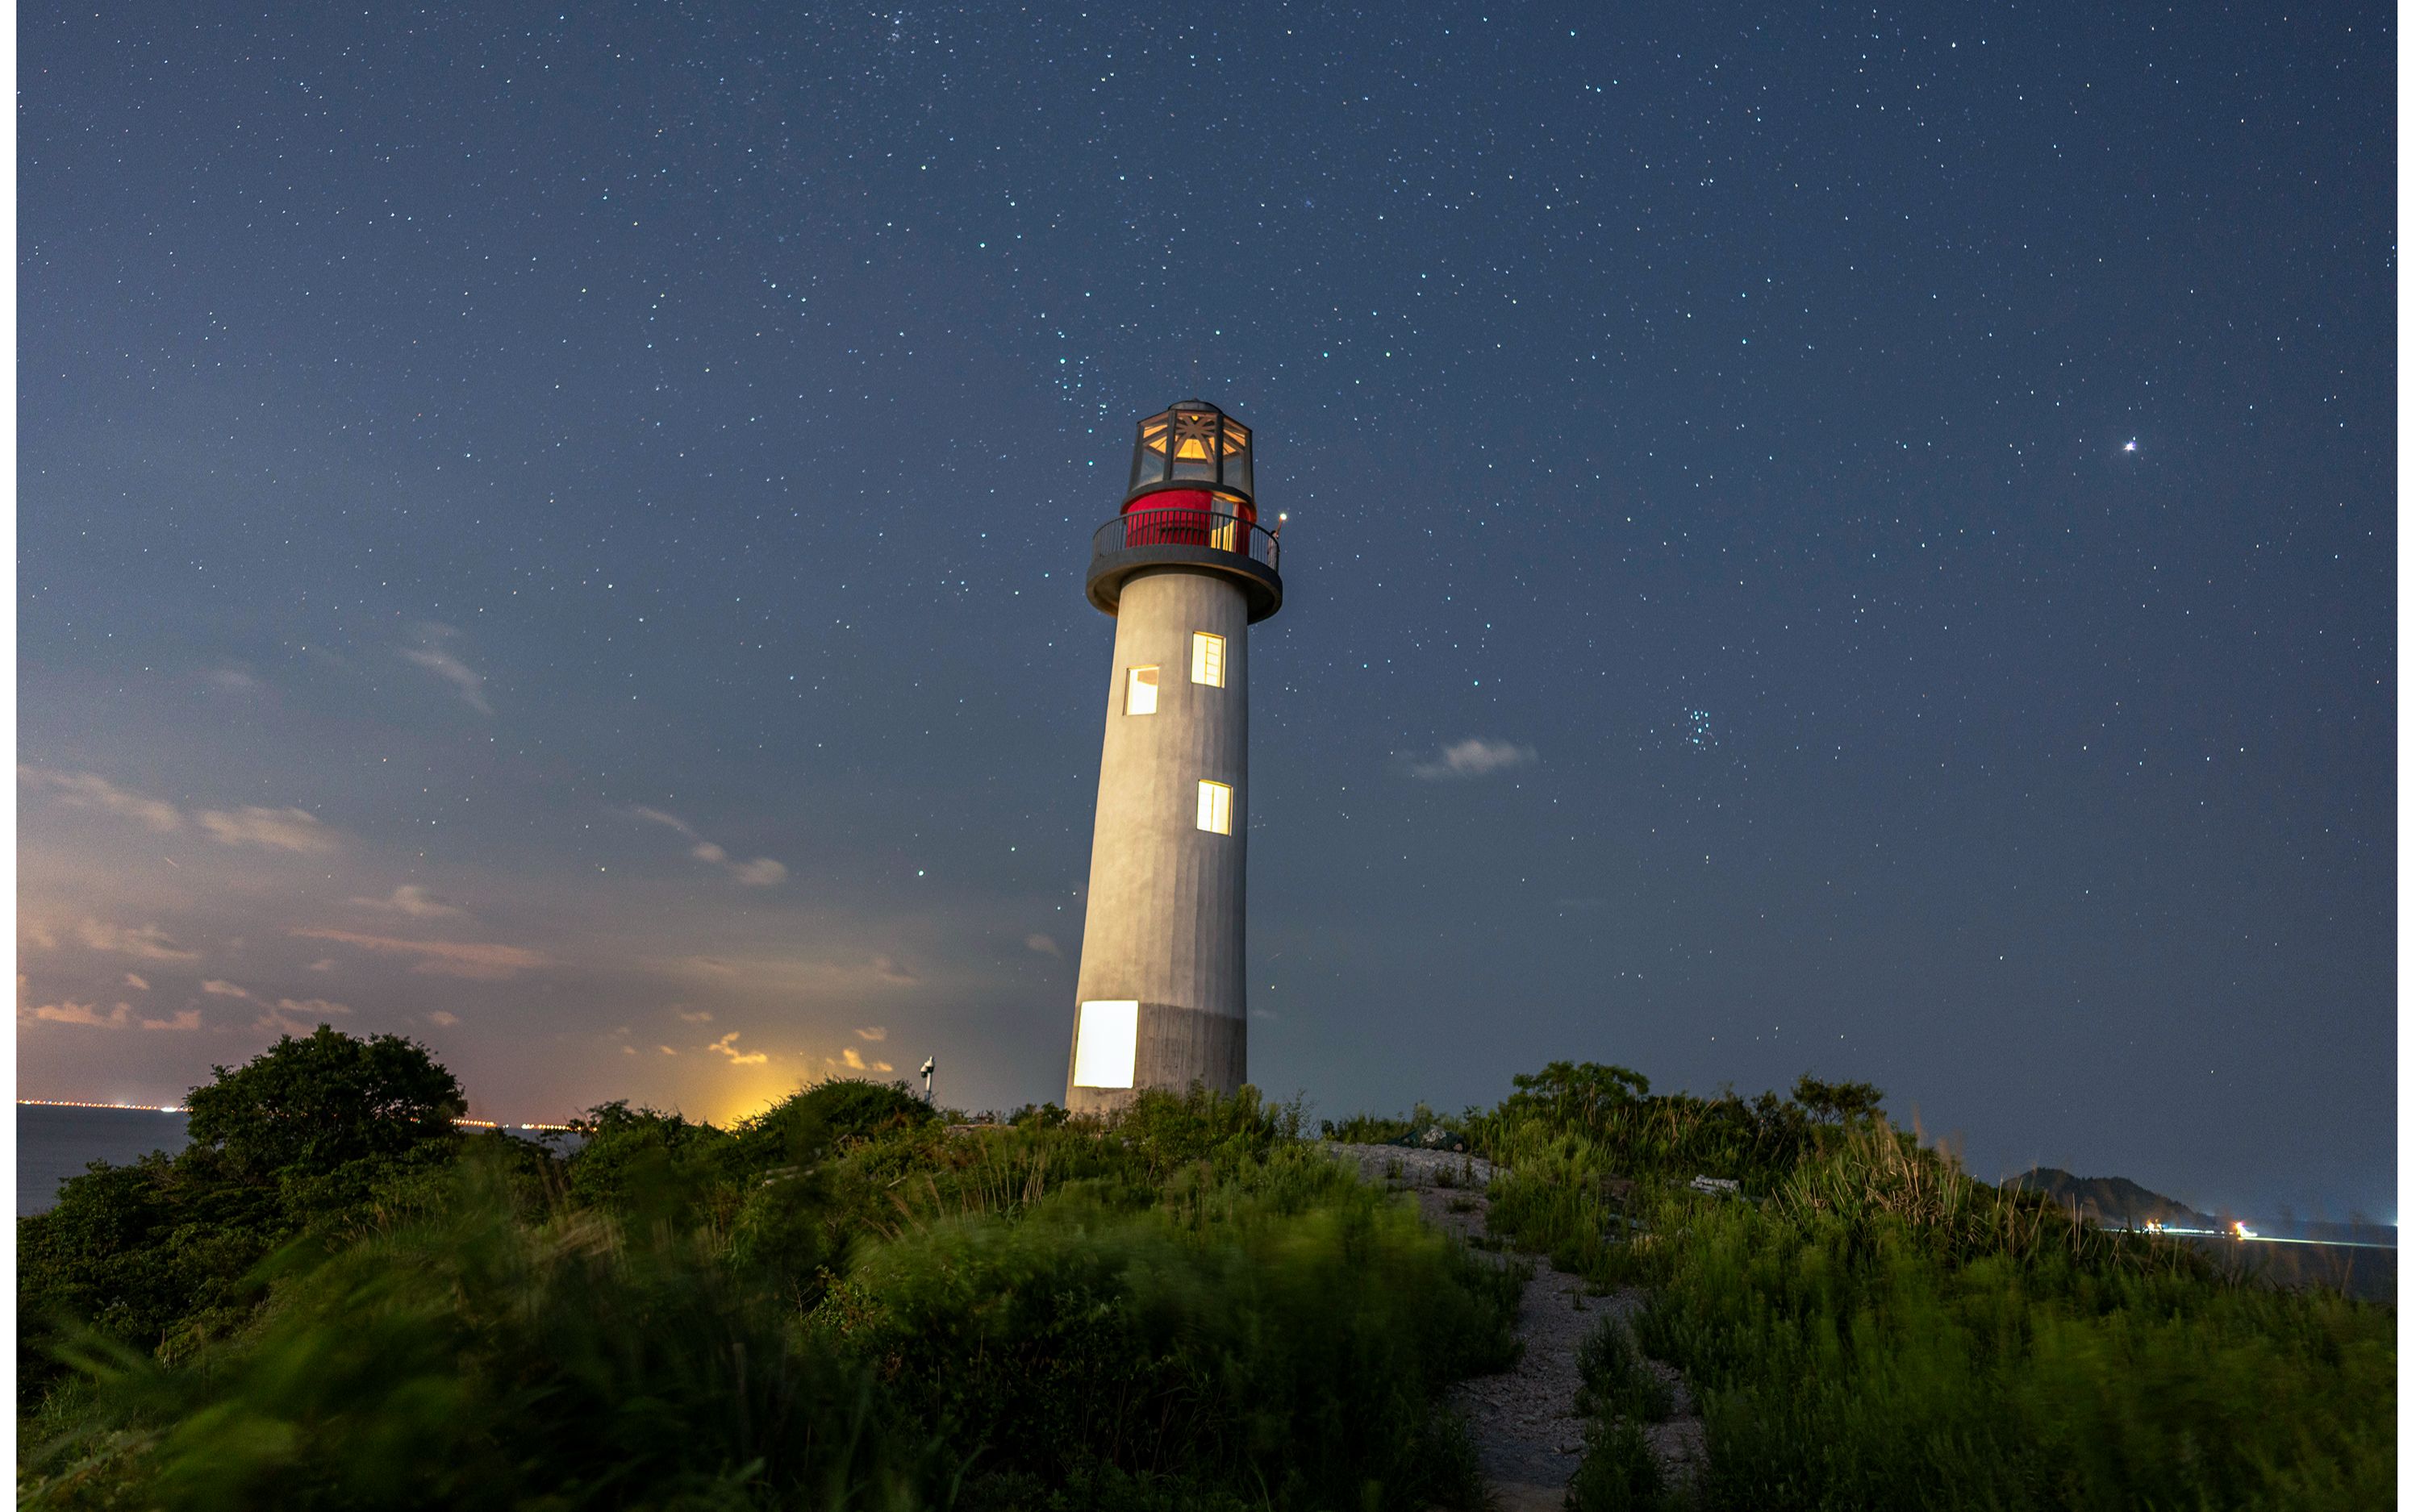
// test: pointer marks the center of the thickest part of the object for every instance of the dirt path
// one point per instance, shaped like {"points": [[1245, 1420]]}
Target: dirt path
{"points": [[1522, 1423]]}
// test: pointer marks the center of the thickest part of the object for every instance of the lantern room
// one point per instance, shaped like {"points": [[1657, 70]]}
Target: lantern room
{"points": [[1192, 455]]}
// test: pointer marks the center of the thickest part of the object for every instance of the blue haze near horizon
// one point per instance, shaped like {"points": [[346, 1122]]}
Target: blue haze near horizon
{"points": [[1850, 542]]}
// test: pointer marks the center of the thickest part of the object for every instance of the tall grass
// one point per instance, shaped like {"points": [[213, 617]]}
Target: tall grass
{"points": [[843, 1306], [1872, 1328]]}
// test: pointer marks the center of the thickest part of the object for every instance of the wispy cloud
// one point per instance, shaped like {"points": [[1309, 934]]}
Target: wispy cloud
{"points": [[431, 652], [443, 1019], [292, 1017], [89, 1014], [726, 1047], [137, 983], [226, 989], [277, 830], [441, 958], [413, 901], [1474, 757], [185, 1022], [1042, 945], [875, 1033], [91, 791], [698, 1015], [764, 872], [149, 943]]}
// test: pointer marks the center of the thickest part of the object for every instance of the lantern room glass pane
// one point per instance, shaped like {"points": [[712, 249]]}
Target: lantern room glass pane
{"points": [[1238, 472], [1193, 444]]}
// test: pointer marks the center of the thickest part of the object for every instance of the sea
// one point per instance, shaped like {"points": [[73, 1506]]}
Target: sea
{"points": [[55, 1143]]}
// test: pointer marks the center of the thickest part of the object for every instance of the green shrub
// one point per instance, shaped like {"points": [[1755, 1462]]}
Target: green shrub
{"points": [[1616, 1381], [1246, 1342], [1618, 1472], [475, 1361]]}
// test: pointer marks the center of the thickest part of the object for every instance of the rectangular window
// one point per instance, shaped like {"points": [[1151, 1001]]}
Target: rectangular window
{"points": [[1209, 658], [1142, 690], [1214, 810], [1104, 1044]]}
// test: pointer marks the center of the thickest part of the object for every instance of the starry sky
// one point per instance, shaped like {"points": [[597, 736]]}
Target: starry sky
{"points": [[1851, 540]]}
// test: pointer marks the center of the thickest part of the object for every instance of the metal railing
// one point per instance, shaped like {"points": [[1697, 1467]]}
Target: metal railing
{"points": [[1187, 527]]}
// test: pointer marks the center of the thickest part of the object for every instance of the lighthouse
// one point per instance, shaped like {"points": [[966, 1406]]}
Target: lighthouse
{"points": [[1185, 569]]}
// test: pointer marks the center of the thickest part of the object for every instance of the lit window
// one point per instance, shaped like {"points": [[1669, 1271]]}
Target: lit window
{"points": [[1142, 690], [1214, 810], [1104, 1044], [1209, 658]]}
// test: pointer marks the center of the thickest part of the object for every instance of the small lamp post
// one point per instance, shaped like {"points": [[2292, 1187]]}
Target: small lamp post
{"points": [[928, 1081]]}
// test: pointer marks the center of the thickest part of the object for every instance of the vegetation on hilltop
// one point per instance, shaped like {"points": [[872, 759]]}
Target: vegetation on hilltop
{"points": [[842, 1302], [1865, 1326], [334, 1298]]}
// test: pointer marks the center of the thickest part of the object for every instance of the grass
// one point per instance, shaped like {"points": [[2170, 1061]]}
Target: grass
{"points": [[849, 1303], [1868, 1327], [843, 1304]]}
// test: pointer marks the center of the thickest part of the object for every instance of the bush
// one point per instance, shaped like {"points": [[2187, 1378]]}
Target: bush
{"points": [[1287, 1346], [1880, 1330], [1615, 1381]]}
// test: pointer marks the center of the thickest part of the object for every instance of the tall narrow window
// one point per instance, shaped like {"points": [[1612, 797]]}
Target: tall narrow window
{"points": [[1142, 690], [1214, 807], [1209, 658]]}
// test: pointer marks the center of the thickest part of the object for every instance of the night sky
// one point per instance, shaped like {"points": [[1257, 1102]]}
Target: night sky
{"points": [[1854, 540]]}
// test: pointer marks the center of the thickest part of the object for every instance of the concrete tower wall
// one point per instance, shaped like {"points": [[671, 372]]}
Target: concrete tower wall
{"points": [[1164, 919]]}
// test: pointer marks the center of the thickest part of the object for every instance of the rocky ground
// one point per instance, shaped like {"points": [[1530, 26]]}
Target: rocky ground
{"points": [[1522, 1422]]}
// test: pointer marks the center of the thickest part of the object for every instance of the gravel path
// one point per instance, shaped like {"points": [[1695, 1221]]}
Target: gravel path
{"points": [[1521, 1421]]}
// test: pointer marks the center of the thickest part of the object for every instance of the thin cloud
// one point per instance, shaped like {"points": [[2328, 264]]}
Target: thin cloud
{"points": [[1042, 945], [851, 1060], [764, 872], [668, 1050], [440, 958], [724, 1047], [700, 1015], [432, 655], [93, 792], [1474, 757], [292, 1017], [443, 1019], [147, 943], [226, 989], [875, 1033], [89, 1014], [277, 830], [137, 983], [185, 1022], [412, 900]]}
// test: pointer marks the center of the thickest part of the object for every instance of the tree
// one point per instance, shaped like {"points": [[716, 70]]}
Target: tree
{"points": [[1837, 1102], [323, 1102]]}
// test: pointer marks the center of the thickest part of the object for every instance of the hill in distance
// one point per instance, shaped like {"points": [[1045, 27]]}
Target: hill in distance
{"points": [[2110, 1201]]}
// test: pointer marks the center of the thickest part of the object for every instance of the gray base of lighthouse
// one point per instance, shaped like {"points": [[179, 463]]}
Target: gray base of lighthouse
{"points": [[1163, 958]]}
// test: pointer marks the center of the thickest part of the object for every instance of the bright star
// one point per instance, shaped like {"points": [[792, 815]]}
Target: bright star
{"points": [[2130, 446]]}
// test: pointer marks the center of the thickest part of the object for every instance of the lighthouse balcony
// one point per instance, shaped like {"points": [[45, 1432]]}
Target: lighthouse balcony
{"points": [[1146, 540]]}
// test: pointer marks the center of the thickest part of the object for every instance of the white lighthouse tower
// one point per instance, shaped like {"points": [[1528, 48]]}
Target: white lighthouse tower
{"points": [[1185, 567]]}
